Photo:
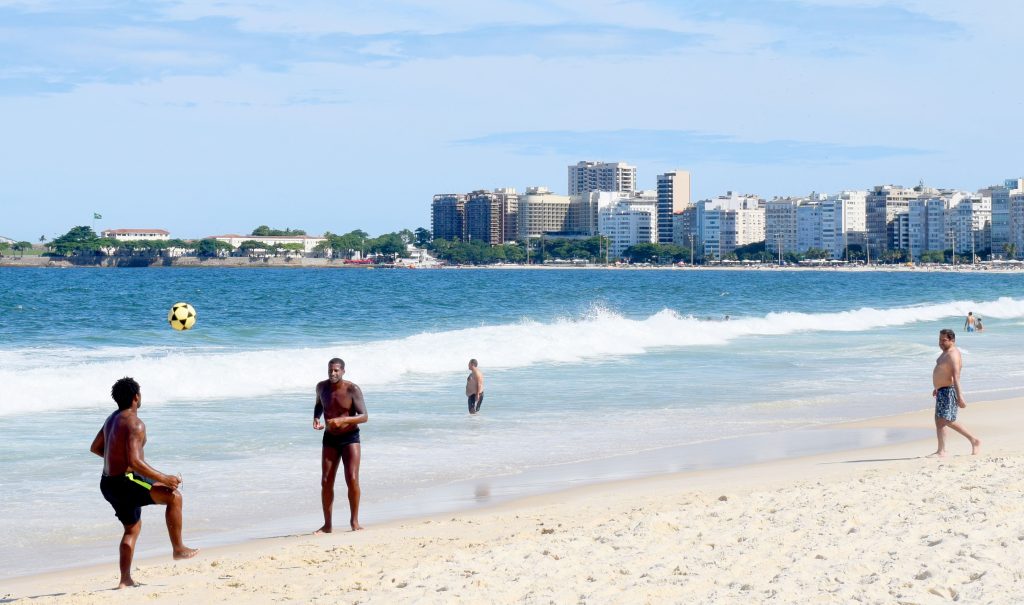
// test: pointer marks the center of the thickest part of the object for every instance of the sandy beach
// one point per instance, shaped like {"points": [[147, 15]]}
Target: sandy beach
{"points": [[878, 525]]}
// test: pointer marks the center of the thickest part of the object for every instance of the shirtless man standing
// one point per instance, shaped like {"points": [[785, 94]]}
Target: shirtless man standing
{"points": [[474, 387], [129, 483], [341, 403], [948, 397]]}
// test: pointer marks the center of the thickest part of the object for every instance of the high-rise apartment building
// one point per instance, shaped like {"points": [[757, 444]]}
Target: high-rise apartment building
{"points": [[843, 222], [448, 216], [780, 224], [884, 202], [728, 222], [998, 198], [485, 218], [585, 177], [628, 222], [673, 198], [491, 215]]}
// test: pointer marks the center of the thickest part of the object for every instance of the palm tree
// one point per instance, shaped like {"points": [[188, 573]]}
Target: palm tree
{"points": [[1010, 249]]}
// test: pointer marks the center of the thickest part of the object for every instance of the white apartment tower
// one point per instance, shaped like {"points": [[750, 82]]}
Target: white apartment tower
{"points": [[585, 177], [630, 221]]}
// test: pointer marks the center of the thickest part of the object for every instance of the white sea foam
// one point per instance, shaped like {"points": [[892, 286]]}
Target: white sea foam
{"points": [[33, 380]]}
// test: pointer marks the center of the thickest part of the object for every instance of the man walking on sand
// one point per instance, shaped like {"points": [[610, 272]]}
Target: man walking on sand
{"points": [[474, 387], [129, 483], [341, 403], [947, 393]]}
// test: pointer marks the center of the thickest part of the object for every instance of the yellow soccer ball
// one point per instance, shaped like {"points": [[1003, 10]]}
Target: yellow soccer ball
{"points": [[182, 316]]}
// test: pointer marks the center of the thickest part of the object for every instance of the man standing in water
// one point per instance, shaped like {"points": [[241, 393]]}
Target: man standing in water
{"points": [[129, 483], [474, 387], [969, 322], [341, 403], [947, 393]]}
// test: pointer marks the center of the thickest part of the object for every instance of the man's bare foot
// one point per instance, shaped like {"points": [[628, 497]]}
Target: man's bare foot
{"points": [[185, 553], [128, 583], [356, 526], [326, 529], [937, 454], [975, 446]]}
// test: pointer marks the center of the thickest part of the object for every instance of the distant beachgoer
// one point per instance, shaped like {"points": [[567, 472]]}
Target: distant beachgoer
{"points": [[969, 323], [978, 325], [474, 387], [341, 403], [947, 393], [129, 482]]}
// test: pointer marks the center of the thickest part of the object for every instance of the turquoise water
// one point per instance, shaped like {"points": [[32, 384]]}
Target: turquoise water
{"points": [[580, 365]]}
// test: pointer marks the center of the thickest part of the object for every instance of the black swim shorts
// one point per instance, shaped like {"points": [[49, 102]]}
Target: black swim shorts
{"points": [[127, 493], [340, 440]]}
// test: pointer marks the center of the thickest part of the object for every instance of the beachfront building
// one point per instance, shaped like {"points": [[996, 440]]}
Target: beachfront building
{"points": [[585, 209], [780, 224], [448, 216], [808, 226], [728, 222], [1015, 245], [673, 198], [488, 214], [883, 203], [308, 242], [585, 177], [134, 235], [969, 225], [630, 221], [998, 197], [843, 222], [541, 212], [684, 228]]}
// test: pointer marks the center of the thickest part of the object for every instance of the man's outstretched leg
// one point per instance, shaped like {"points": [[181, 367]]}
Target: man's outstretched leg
{"points": [[351, 456], [171, 498]]}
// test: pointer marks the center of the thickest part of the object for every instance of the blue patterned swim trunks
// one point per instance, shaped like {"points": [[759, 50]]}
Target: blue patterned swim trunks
{"points": [[945, 404]]}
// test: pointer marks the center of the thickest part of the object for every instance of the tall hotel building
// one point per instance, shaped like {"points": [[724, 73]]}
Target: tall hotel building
{"points": [[673, 198], [541, 211], [448, 216], [585, 177]]}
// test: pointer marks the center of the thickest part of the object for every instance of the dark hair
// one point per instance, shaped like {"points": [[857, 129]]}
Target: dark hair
{"points": [[472, 362], [948, 334], [336, 360], [124, 392]]}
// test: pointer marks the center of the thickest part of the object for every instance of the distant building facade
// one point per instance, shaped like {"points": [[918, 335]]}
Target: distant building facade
{"points": [[129, 235], [586, 176], [542, 212], [630, 221], [448, 216], [673, 198], [308, 242]]}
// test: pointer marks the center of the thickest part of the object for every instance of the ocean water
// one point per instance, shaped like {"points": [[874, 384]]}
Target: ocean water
{"points": [[585, 370]]}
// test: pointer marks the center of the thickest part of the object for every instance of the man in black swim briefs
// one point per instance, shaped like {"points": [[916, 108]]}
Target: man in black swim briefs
{"points": [[341, 404], [129, 483]]}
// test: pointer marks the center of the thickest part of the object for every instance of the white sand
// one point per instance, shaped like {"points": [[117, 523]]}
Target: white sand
{"points": [[875, 526]]}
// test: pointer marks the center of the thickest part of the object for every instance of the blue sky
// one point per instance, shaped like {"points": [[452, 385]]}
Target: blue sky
{"points": [[205, 118]]}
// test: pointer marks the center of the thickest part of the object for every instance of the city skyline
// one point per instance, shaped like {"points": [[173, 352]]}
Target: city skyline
{"points": [[201, 120]]}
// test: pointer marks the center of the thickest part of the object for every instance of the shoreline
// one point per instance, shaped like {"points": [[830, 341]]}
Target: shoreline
{"points": [[993, 421], [44, 262]]}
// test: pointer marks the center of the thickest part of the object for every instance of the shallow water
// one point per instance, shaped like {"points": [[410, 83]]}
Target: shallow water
{"points": [[580, 366]]}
